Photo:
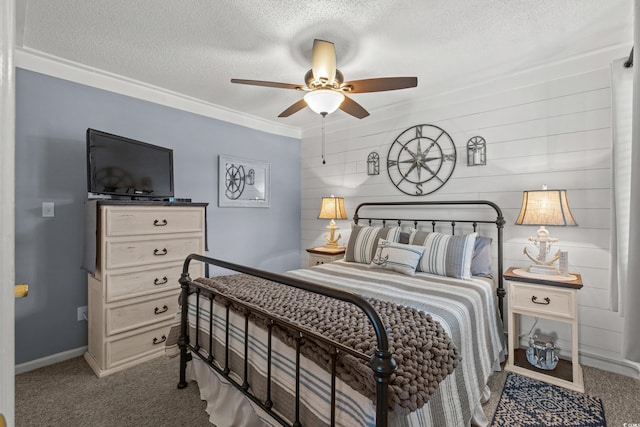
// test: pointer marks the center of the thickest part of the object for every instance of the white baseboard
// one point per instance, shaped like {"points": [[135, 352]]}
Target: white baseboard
{"points": [[49, 360], [622, 367]]}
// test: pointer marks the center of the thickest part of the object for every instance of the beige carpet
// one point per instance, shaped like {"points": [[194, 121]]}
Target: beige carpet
{"points": [[68, 394]]}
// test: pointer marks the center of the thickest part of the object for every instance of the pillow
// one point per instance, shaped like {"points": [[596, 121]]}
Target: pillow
{"points": [[364, 241], [397, 257], [404, 237], [444, 254], [481, 260]]}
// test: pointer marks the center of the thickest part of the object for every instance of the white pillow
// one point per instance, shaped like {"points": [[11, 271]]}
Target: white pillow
{"points": [[397, 257], [444, 254]]}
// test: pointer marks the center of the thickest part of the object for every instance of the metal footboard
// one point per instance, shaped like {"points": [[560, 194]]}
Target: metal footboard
{"points": [[381, 363]]}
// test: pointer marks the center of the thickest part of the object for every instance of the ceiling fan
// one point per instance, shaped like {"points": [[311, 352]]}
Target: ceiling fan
{"points": [[325, 86]]}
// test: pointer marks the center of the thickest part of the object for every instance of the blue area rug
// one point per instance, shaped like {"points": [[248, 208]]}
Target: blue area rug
{"points": [[527, 402]]}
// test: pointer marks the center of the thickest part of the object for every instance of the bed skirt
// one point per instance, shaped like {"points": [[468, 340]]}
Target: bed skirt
{"points": [[228, 407]]}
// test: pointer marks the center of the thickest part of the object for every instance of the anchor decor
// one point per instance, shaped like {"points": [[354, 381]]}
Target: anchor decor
{"points": [[540, 262], [379, 259]]}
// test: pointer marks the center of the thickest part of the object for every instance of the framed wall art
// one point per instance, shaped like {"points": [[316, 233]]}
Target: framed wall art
{"points": [[243, 183]]}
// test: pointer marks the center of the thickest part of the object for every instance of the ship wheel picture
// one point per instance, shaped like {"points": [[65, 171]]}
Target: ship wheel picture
{"points": [[421, 160], [234, 181]]}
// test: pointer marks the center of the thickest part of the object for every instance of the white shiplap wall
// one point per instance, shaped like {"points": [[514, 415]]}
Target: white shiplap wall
{"points": [[554, 129]]}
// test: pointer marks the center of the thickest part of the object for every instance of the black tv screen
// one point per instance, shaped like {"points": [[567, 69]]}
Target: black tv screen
{"points": [[125, 167]]}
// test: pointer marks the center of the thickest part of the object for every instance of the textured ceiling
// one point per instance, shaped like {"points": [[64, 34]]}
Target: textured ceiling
{"points": [[195, 47]]}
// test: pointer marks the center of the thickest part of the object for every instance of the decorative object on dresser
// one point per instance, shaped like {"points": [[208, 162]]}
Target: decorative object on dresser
{"points": [[548, 299], [373, 163], [332, 208], [134, 254], [421, 160], [243, 183], [323, 255], [545, 207], [476, 151]]}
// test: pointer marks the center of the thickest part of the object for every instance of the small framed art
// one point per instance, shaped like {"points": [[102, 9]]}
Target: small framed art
{"points": [[243, 183]]}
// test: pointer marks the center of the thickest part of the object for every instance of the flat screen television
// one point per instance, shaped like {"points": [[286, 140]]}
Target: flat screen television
{"points": [[127, 168]]}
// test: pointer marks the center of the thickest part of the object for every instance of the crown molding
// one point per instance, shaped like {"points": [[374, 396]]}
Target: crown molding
{"points": [[40, 62]]}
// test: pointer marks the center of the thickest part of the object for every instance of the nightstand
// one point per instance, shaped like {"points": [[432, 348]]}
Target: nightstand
{"points": [[323, 255], [548, 299]]}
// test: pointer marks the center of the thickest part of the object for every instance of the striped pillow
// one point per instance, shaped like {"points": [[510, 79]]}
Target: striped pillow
{"points": [[364, 241], [444, 254], [397, 257]]}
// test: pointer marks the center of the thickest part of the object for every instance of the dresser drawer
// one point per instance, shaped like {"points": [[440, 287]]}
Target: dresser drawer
{"points": [[137, 314], [130, 253], [131, 284], [132, 221], [133, 347], [542, 299]]}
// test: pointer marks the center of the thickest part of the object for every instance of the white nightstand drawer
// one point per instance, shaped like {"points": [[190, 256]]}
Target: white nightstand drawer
{"points": [[131, 221], [542, 299], [137, 314], [315, 259]]}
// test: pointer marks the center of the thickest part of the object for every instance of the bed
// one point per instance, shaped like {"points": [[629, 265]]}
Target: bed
{"points": [[400, 333]]}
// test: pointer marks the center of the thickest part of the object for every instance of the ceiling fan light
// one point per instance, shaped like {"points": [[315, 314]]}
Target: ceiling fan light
{"points": [[324, 101]]}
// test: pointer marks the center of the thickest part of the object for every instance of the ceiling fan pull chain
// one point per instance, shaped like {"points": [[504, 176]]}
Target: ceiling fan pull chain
{"points": [[323, 116]]}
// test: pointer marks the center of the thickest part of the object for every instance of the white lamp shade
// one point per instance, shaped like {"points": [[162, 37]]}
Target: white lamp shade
{"points": [[332, 208], [324, 101], [545, 207]]}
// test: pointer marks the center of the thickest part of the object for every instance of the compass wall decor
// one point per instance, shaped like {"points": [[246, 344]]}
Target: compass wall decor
{"points": [[243, 182], [421, 159]]}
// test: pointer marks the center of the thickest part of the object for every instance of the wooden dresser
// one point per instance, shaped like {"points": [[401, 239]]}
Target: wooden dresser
{"points": [[133, 288]]}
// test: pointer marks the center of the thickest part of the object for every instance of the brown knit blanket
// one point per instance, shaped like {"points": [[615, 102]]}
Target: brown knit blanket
{"points": [[423, 351]]}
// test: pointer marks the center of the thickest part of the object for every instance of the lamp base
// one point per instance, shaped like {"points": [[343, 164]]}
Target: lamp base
{"points": [[332, 240]]}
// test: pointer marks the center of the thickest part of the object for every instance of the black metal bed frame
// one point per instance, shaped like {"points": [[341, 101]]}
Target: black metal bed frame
{"points": [[381, 363]]}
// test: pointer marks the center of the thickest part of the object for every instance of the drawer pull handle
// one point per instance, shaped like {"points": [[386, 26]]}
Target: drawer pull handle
{"points": [[158, 252], [158, 282], [157, 341], [534, 299], [160, 223], [161, 310]]}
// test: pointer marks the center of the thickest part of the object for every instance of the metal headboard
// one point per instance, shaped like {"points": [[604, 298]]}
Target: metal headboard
{"points": [[399, 219]]}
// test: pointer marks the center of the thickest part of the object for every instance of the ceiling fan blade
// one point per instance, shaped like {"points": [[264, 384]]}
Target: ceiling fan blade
{"points": [[294, 108], [323, 61], [380, 84], [352, 107], [267, 84]]}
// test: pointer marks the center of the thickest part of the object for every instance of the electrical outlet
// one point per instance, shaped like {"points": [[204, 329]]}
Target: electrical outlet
{"points": [[82, 313], [48, 209]]}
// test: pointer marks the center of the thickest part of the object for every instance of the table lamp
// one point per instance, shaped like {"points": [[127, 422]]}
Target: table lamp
{"points": [[544, 207], [332, 208]]}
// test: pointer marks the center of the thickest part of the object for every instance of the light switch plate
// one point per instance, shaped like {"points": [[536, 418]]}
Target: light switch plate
{"points": [[48, 209]]}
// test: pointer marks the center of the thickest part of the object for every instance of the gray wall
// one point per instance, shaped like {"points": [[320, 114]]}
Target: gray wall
{"points": [[52, 116]]}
